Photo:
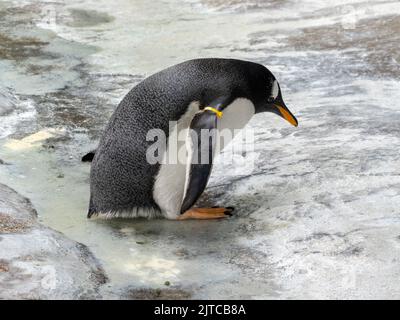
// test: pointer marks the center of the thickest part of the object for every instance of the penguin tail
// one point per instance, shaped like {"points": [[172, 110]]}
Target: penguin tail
{"points": [[88, 157], [90, 213], [91, 210]]}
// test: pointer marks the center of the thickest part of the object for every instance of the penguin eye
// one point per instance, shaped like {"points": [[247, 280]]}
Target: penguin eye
{"points": [[271, 99]]}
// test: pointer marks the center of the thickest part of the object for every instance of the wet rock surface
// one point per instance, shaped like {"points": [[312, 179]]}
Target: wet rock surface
{"points": [[37, 262]]}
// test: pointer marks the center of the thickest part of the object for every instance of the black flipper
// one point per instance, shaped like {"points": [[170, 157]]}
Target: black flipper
{"points": [[88, 157], [202, 138]]}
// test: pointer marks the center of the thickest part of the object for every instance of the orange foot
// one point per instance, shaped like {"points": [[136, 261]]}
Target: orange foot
{"points": [[206, 213]]}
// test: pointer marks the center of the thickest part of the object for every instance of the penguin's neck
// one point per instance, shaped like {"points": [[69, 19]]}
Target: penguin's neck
{"points": [[235, 117]]}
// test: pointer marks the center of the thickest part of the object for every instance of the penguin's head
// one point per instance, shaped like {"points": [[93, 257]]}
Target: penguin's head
{"points": [[267, 96], [237, 79]]}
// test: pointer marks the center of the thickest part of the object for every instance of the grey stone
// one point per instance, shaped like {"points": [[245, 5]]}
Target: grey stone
{"points": [[37, 262]]}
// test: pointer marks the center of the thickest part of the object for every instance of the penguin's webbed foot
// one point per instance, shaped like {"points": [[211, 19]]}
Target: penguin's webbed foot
{"points": [[206, 213]]}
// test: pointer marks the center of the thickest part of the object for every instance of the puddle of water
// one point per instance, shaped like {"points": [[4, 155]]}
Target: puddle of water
{"points": [[60, 194], [135, 253]]}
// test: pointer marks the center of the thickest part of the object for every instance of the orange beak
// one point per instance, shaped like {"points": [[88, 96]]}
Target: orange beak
{"points": [[285, 113]]}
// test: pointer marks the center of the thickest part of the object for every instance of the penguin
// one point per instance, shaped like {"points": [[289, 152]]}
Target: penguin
{"points": [[200, 94]]}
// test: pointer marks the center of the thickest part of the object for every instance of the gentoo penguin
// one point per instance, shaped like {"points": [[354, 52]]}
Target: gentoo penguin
{"points": [[200, 94]]}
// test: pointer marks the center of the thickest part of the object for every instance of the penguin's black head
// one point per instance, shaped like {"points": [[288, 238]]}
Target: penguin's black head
{"points": [[265, 93], [225, 80]]}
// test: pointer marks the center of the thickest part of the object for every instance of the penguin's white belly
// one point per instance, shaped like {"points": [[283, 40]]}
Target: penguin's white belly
{"points": [[169, 185], [170, 181]]}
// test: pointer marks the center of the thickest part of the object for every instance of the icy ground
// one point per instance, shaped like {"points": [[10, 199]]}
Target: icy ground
{"points": [[319, 215]]}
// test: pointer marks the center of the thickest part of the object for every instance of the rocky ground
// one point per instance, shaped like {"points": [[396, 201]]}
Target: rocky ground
{"points": [[37, 262]]}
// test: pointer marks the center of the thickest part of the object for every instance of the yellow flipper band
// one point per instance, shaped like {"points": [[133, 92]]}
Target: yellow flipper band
{"points": [[217, 112]]}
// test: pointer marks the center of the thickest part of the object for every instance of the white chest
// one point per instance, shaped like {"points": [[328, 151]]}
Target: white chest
{"points": [[235, 118], [170, 181]]}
